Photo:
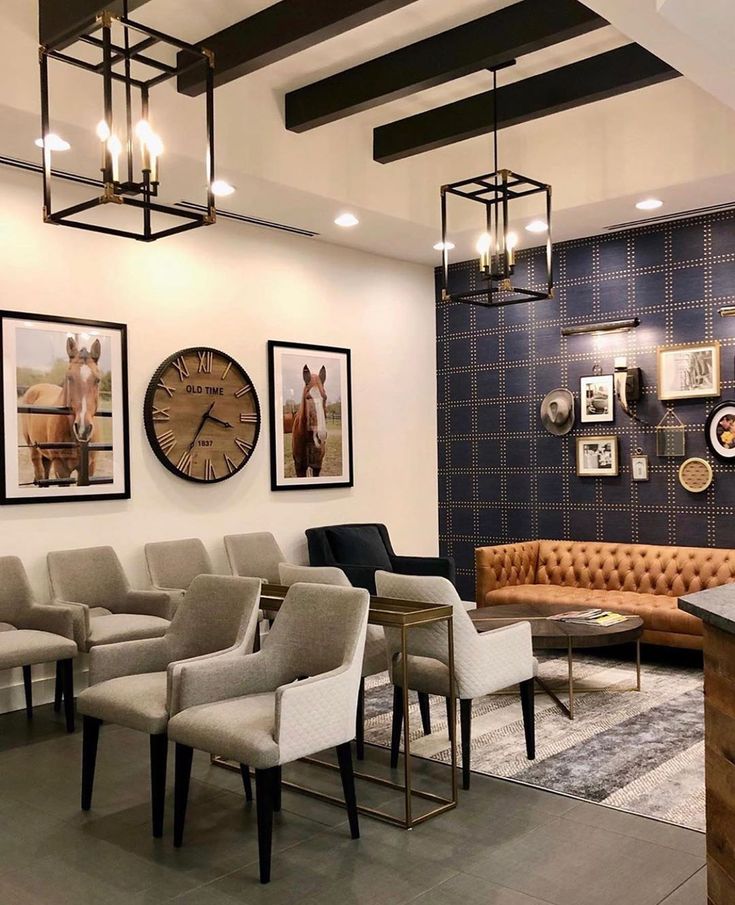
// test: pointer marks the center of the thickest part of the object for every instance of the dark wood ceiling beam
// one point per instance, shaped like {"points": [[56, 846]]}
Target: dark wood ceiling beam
{"points": [[61, 23], [489, 41], [594, 79], [280, 30]]}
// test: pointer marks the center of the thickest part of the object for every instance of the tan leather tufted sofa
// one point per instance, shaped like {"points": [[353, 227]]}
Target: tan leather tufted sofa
{"points": [[627, 578]]}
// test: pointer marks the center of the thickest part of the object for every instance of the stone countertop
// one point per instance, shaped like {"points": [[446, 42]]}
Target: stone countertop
{"points": [[716, 606]]}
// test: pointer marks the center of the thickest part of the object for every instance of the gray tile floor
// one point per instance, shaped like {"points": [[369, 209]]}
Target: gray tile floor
{"points": [[505, 844]]}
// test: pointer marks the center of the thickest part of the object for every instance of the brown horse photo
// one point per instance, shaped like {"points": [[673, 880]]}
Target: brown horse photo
{"points": [[79, 392], [309, 426]]}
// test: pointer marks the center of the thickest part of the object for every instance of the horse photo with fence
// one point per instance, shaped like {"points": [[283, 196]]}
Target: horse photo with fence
{"points": [[64, 409], [311, 434]]}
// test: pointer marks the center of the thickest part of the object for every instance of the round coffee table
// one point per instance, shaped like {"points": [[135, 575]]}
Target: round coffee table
{"points": [[552, 634]]}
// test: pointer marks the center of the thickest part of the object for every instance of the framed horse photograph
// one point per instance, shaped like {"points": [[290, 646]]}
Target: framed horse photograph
{"points": [[311, 416], [64, 409]]}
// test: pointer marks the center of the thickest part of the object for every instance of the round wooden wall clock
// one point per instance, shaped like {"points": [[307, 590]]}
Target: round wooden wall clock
{"points": [[202, 415]]}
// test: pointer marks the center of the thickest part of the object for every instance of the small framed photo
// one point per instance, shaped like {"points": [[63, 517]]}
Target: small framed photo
{"points": [[311, 416], [64, 409], [719, 431], [688, 371], [639, 467], [597, 457], [596, 398]]}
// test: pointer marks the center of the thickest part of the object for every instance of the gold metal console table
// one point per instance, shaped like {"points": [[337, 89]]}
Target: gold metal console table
{"points": [[404, 615]]}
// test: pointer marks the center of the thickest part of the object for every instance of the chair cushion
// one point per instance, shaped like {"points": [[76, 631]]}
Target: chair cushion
{"points": [[7, 627], [359, 546], [375, 659], [24, 647], [95, 611], [124, 627], [432, 676], [241, 729], [138, 702]]}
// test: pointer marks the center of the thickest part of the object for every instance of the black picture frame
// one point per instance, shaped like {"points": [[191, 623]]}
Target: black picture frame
{"points": [[13, 492], [608, 417], [713, 435], [279, 480]]}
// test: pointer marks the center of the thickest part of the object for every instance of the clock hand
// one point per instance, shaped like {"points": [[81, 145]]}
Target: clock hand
{"points": [[219, 421], [201, 425]]}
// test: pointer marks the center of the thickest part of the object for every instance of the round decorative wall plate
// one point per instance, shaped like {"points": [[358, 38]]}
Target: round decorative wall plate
{"points": [[202, 415], [695, 475], [719, 432]]}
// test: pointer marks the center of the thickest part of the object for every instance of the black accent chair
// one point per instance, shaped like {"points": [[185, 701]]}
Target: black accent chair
{"points": [[361, 549]]}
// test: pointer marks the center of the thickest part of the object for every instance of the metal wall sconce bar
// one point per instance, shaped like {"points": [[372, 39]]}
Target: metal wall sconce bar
{"points": [[128, 190], [727, 311], [404, 615], [618, 326]]}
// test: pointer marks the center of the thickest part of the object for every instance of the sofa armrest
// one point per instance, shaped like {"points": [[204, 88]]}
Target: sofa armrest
{"points": [[442, 566], [147, 603], [57, 620], [504, 566]]}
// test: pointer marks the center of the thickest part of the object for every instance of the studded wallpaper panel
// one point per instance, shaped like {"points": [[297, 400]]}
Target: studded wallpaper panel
{"points": [[502, 477]]}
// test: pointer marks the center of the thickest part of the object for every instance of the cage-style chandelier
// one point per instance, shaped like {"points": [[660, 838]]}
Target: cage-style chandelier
{"points": [[131, 154], [493, 284]]}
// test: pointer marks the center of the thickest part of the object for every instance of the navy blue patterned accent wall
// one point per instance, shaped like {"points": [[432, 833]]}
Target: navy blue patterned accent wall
{"points": [[502, 477]]}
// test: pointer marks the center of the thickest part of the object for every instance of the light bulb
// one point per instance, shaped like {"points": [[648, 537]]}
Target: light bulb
{"points": [[483, 244], [511, 241], [103, 130], [346, 220], [53, 142], [114, 146], [155, 145], [143, 130]]}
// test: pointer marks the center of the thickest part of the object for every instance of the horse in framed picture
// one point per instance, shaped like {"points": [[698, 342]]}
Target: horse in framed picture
{"points": [[309, 425]]}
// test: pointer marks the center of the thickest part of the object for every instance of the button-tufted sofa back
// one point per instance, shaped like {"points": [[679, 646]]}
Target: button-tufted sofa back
{"points": [[671, 571]]}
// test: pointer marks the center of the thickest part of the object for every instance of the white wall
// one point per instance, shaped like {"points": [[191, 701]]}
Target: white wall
{"points": [[234, 287]]}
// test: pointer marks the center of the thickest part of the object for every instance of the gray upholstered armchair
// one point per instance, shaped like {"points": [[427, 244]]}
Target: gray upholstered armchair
{"points": [[292, 699], [174, 564], [93, 584], [256, 555], [32, 633], [133, 683]]}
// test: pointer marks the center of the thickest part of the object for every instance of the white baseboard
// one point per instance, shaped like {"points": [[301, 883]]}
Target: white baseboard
{"points": [[12, 693]]}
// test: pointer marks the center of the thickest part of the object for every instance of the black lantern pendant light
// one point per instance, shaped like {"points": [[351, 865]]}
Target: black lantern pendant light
{"points": [[130, 154], [494, 283]]}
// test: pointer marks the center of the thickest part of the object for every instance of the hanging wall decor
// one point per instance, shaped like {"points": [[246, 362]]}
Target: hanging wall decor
{"points": [[719, 432], [596, 399], [311, 416], [695, 475], [64, 409], [670, 436], [639, 470], [597, 457], [129, 67], [688, 370]]}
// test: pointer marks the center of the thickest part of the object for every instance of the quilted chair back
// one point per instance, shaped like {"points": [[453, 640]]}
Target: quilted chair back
{"points": [[431, 640], [290, 574], [319, 628], [669, 571], [217, 612], [176, 563], [255, 555], [15, 591], [92, 576]]}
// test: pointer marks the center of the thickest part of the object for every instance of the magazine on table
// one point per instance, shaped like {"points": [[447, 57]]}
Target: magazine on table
{"points": [[594, 616]]}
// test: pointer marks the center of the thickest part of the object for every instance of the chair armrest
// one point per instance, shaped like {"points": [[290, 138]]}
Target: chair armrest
{"points": [[79, 617], [128, 658], [218, 678], [360, 576], [175, 596], [507, 658], [443, 566], [147, 603], [316, 713], [469, 605], [174, 670], [504, 566], [57, 619]]}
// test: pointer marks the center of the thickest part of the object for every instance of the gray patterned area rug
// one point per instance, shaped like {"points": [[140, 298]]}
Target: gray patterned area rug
{"points": [[642, 752]]}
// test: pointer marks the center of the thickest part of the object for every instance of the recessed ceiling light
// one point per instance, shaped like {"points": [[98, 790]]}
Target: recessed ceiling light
{"points": [[440, 246], [346, 220], [53, 142], [649, 204], [537, 226], [222, 189]]}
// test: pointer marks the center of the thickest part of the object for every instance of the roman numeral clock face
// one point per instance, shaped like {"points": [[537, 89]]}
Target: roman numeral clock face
{"points": [[202, 415]]}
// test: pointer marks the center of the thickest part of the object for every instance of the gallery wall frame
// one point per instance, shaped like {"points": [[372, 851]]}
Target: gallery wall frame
{"points": [[719, 431], [310, 398], [64, 409], [688, 370], [598, 457], [596, 399]]}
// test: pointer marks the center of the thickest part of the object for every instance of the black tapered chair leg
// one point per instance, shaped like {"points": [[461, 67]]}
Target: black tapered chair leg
{"points": [[395, 739], [159, 756], [360, 723], [264, 785], [465, 726], [246, 784], [529, 723], [90, 737], [184, 755], [28, 688], [67, 681], [344, 756], [425, 712], [276, 789], [58, 688]]}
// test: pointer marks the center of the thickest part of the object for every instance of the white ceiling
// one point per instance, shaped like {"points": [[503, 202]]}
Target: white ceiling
{"points": [[675, 140]]}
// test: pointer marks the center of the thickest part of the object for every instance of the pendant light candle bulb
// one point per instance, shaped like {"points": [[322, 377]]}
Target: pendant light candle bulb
{"points": [[511, 241], [155, 149], [114, 146], [483, 250]]}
